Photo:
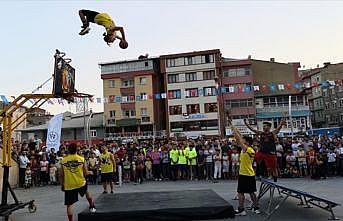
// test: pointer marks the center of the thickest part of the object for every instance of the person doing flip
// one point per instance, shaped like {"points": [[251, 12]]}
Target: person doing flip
{"points": [[105, 20]]}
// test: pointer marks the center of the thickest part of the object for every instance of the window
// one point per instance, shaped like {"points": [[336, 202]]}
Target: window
{"points": [[174, 94], [145, 119], [112, 113], [341, 103], [142, 80], [191, 92], [128, 113], [327, 106], [144, 96], [146, 64], [341, 117], [189, 60], [127, 83], [111, 121], [236, 72], [93, 133], [175, 110], [131, 98], [193, 108], [111, 83], [173, 78], [207, 58], [211, 107], [238, 103], [191, 76], [209, 91], [208, 75], [325, 92], [144, 111], [334, 104], [171, 62]]}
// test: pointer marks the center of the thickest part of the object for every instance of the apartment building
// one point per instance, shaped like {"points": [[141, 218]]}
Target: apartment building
{"points": [[191, 85], [131, 109], [272, 104]]}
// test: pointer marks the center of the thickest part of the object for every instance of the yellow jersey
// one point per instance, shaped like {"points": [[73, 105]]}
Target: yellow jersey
{"points": [[182, 157], [72, 166], [106, 162], [246, 162], [174, 156], [105, 20], [192, 154]]}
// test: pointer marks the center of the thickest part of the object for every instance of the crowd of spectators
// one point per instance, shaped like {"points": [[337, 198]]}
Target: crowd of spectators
{"points": [[204, 159]]}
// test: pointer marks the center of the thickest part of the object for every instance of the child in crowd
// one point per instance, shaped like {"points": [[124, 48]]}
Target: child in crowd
{"points": [[225, 165], [127, 169], [302, 161], [234, 163], [28, 180], [44, 173], [93, 165], [312, 159], [148, 167], [53, 173]]}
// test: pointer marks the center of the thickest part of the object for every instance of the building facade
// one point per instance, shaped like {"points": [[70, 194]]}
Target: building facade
{"points": [[191, 85], [287, 102], [131, 110], [72, 129]]}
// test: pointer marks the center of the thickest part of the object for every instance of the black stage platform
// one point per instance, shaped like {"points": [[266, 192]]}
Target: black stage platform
{"points": [[173, 205]]}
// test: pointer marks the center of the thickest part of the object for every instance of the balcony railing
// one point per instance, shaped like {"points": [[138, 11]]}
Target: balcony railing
{"points": [[282, 109], [135, 135]]}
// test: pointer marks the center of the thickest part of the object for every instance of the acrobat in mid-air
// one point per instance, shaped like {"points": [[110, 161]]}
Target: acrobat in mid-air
{"points": [[105, 20]]}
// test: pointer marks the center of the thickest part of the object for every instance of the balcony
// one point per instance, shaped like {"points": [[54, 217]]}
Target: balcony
{"points": [[128, 122], [279, 112], [135, 135]]}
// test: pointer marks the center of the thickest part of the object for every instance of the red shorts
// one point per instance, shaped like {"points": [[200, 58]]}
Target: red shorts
{"points": [[270, 160]]}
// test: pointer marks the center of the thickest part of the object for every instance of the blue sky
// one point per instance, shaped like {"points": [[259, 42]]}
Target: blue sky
{"points": [[308, 32]]}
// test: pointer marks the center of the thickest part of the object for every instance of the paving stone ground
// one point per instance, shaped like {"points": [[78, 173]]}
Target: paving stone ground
{"points": [[49, 200]]}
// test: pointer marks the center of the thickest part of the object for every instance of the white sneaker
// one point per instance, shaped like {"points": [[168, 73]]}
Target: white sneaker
{"points": [[85, 31], [257, 211], [240, 213], [92, 210]]}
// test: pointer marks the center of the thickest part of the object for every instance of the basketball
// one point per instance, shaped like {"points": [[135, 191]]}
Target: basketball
{"points": [[123, 44]]}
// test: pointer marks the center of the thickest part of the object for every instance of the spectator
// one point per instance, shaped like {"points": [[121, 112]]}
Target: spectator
{"points": [[301, 155], [156, 164], [209, 162], [44, 170], [192, 161], [201, 164], [331, 156], [23, 162], [53, 173], [234, 163], [165, 159], [217, 166]]}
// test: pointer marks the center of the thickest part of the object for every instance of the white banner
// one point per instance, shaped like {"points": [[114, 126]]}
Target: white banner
{"points": [[54, 132]]}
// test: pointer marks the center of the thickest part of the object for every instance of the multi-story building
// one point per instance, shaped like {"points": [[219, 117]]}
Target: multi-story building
{"points": [[131, 109], [191, 86], [315, 101], [272, 104], [325, 100], [329, 95], [238, 74]]}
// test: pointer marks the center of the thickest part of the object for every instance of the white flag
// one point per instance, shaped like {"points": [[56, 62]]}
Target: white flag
{"points": [[231, 89], [163, 95], [256, 88], [144, 97], [54, 132]]}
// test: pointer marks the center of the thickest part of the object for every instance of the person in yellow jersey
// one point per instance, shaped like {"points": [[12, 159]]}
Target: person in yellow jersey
{"points": [[108, 168], [73, 181], [246, 178], [192, 161], [182, 162], [105, 20], [174, 159]]}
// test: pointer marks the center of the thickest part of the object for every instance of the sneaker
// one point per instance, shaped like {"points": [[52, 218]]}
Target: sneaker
{"points": [[111, 191], [105, 192], [84, 31], [240, 212], [256, 210], [92, 209]]}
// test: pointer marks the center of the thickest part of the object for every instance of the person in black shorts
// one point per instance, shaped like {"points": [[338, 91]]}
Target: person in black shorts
{"points": [[73, 181]]}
